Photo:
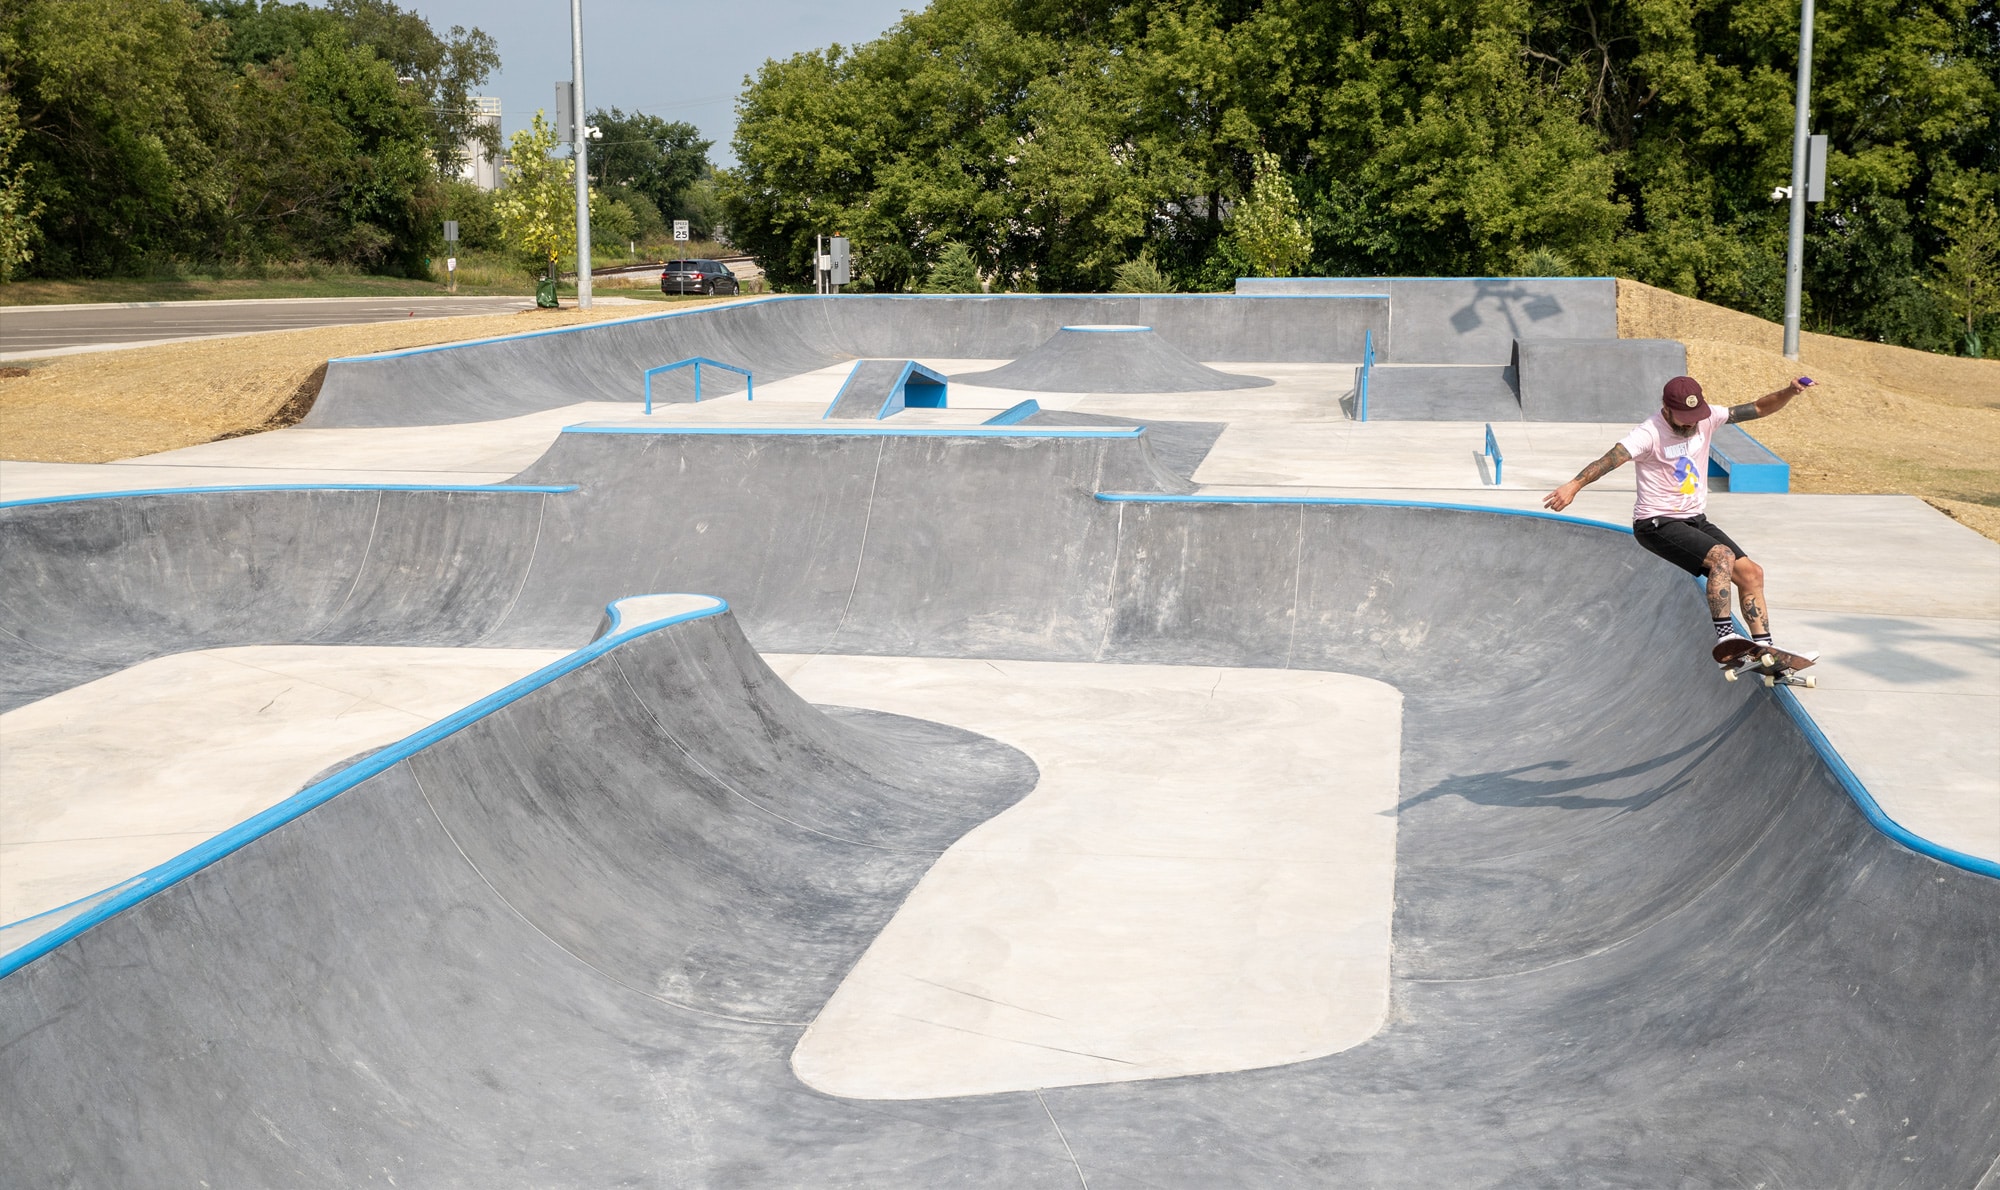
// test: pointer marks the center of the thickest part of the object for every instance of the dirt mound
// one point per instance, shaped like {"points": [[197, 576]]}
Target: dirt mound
{"points": [[1883, 418]]}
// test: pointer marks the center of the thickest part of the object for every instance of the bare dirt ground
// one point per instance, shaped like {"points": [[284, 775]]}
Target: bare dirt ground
{"points": [[96, 407], [1880, 418]]}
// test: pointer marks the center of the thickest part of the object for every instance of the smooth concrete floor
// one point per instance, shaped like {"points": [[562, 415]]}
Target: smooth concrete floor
{"points": [[1202, 880], [1874, 562], [103, 781]]}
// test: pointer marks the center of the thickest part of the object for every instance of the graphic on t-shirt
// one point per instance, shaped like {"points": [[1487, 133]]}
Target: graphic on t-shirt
{"points": [[1684, 472]]}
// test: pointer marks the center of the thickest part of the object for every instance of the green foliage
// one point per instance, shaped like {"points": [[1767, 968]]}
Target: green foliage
{"points": [[1967, 281], [537, 205], [233, 131], [1141, 275], [1475, 137], [1268, 227], [659, 160], [17, 211], [956, 271]]}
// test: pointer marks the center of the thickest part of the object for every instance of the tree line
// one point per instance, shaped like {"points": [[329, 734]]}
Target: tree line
{"points": [[1078, 144]]}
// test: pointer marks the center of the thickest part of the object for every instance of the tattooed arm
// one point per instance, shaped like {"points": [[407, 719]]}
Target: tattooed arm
{"points": [[1769, 403], [1598, 468]]}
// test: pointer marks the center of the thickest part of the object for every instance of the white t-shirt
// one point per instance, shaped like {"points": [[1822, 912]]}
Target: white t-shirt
{"points": [[1672, 470]]}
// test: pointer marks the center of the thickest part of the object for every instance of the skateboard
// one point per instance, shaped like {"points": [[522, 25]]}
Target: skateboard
{"points": [[1774, 665]]}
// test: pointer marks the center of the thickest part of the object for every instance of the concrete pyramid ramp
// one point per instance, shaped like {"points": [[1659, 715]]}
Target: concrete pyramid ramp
{"points": [[1109, 358]]}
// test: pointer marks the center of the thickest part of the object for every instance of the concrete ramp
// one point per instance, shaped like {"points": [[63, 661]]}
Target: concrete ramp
{"points": [[1598, 380], [881, 388], [1110, 358], [1642, 933], [1456, 392]]}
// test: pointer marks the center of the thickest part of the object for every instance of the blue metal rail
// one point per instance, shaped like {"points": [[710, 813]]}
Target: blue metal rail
{"points": [[695, 362], [1493, 452]]}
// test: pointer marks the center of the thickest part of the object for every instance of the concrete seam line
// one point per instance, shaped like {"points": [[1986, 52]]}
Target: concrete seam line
{"points": [[552, 941], [1074, 1163], [527, 569], [202, 855], [293, 487], [1298, 578], [861, 551], [1111, 585]]}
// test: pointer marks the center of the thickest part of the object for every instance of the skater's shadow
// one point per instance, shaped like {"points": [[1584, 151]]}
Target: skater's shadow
{"points": [[1661, 775]]}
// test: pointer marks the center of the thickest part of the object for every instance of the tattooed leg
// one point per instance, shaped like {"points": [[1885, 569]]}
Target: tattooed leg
{"points": [[1720, 563], [1749, 580]]}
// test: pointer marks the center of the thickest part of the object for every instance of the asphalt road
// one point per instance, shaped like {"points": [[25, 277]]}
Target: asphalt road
{"points": [[28, 329]]}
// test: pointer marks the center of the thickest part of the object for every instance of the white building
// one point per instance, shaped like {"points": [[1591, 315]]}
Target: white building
{"points": [[481, 167]]}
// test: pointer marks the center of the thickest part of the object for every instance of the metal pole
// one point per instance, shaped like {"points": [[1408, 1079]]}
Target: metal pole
{"points": [[582, 156], [1795, 251]]}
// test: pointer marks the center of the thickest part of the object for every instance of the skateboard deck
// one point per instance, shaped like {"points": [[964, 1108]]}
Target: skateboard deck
{"points": [[1776, 666]]}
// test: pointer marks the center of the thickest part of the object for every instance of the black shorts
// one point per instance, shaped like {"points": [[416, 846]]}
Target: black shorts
{"points": [[1684, 543]]}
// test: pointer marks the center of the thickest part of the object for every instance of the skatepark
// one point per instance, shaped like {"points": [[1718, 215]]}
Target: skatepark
{"points": [[1000, 741]]}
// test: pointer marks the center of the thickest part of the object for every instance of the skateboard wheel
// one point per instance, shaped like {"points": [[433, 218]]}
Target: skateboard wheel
{"points": [[1770, 680], [1728, 675], [1812, 683], [1768, 661]]}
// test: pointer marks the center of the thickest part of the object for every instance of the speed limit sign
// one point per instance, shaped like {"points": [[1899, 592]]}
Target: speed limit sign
{"points": [[680, 229]]}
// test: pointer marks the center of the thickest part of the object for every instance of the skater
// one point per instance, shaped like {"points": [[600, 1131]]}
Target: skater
{"points": [[1669, 451]]}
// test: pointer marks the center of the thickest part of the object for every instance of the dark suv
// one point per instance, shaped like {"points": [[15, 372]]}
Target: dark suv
{"points": [[698, 276]]}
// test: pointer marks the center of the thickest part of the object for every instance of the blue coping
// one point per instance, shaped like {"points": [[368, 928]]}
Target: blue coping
{"points": [[894, 297], [1151, 498], [550, 489], [187, 863], [1015, 414], [866, 431], [1838, 767], [1750, 465]]}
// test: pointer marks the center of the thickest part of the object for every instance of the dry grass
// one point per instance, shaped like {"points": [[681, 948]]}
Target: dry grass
{"points": [[1881, 418], [117, 404]]}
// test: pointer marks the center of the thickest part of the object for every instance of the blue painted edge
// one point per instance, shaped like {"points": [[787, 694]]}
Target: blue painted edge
{"points": [[1151, 498], [1856, 791], [547, 489], [1015, 414], [813, 297], [193, 860], [1870, 808], [865, 431]]}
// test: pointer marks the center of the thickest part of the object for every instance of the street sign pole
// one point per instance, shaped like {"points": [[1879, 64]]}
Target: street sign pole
{"points": [[579, 139], [451, 255], [1795, 249]]}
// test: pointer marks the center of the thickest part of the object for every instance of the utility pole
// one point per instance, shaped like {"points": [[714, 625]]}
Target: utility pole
{"points": [[1795, 252], [580, 139]]}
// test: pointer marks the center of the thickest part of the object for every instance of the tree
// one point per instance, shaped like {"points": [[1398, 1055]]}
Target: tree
{"points": [[660, 160], [537, 204], [955, 272], [1968, 269], [1269, 227], [17, 211]]}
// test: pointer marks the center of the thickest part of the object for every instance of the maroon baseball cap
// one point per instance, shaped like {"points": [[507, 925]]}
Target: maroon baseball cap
{"points": [[1682, 403]]}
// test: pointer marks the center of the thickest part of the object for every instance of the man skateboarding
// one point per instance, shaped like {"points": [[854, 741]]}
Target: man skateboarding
{"points": [[1669, 451]]}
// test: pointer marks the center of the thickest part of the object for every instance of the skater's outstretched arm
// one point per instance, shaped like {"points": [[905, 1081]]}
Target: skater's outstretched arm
{"points": [[1769, 403], [1600, 467]]}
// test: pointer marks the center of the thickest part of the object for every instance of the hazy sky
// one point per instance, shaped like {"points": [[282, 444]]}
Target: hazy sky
{"points": [[676, 59]]}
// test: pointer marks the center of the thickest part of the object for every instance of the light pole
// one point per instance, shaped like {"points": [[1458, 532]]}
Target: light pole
{"points": [[580, 140], [1795, 251]]}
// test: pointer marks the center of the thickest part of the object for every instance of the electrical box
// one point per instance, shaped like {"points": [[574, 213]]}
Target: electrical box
{"points": [[566, 113], [1816, 168], [837, 254]]}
